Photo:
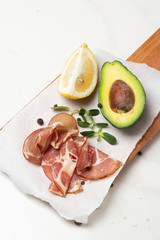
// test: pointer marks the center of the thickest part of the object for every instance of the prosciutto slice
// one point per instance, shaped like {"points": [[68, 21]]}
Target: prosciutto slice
{"points": [[67, 128], [59, 166], [52, 155], [48, 159], [54, 189], [102, 165], [75, 186], [36, 144], [82, 148], [59, 129]]}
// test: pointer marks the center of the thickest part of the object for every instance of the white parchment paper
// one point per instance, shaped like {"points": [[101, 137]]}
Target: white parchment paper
{"points": [[31, 179]]}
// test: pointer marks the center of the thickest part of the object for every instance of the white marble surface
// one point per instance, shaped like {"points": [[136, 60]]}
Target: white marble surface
{"points": [[36, 38]]}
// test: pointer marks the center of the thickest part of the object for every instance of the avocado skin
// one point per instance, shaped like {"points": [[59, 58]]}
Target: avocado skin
{"points": [[108, 73], [119, 127]]}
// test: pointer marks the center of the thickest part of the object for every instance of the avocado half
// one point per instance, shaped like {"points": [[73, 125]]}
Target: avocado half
{"points": [[121, 95]]}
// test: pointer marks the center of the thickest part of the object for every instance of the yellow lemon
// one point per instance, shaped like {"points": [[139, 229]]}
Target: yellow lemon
{"points": [[80, 74]]}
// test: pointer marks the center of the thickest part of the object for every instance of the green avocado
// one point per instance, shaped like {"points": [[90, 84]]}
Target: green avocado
{"points": [[121, 95]]}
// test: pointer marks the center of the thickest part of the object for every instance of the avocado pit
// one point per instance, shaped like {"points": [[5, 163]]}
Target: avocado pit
{"points": [[121, 97]]}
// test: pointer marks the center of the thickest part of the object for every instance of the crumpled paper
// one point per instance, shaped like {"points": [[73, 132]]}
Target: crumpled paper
{"points": [[31, 179]]}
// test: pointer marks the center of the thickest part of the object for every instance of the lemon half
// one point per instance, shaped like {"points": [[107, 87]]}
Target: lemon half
{"points": [[80, 74]]}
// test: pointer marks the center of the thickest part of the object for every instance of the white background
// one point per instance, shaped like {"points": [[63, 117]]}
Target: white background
{"points": [[36, 38]]}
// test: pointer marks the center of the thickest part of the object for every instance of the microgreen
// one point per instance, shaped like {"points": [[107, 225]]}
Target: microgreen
{"points": [[93, 112], [82, 111], [60, 108], [102, 125], [88, 133], [83, 123], [109, 138]]}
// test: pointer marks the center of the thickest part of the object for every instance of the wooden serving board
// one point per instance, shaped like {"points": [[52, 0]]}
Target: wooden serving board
{"points": [[148, 53]]}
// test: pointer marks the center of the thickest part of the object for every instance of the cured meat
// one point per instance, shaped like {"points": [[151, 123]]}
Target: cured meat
{"points": [[66, 128], [67, 120], [102, 165], [49, 158], [75, 186], [36, 144], [59, 166], [60, 128], [82, 148], [65, 157], [97, 163], [63, 169], [54, 189]]}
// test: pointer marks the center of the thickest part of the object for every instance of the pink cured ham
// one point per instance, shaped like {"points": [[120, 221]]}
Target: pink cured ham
{"points": [[54, 189], [64, 168], [36, 144], [66, 128], [52, 155], [60, 128], [59, 166], [82, 148], [49, 158], [102, 165], [75, 186], [65, 157]]}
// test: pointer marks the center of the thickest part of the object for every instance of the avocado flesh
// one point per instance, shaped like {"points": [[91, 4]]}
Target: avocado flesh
{"points": [[110, 73]]}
